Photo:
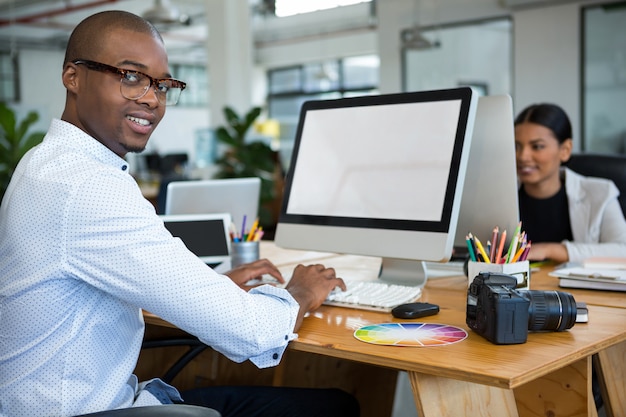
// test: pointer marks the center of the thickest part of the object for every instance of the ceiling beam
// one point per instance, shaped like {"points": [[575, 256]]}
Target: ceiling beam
{"points": [[54, 12]]}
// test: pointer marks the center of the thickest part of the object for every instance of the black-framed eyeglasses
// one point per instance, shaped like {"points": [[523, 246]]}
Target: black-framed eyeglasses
{"points": [[135, 84]]}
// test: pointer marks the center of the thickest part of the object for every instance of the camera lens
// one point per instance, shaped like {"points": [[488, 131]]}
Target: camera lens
{"points": [[550, 310]]}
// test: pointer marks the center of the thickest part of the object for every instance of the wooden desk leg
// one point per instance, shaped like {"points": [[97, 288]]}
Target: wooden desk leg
{"points": [[443, 397], [612, 376], [563, 392]]}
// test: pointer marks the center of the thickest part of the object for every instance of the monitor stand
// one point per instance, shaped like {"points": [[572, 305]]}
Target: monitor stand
{"points": [[403, 272]]}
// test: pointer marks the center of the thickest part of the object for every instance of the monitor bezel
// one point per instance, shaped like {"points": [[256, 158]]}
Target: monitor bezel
{"points": [[467, 98]]}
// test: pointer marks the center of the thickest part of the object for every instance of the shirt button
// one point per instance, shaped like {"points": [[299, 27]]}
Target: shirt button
{"points": [[286, 337], [275, 356], [124, 167]]}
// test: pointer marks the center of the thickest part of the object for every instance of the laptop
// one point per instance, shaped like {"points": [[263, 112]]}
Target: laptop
{"points": [[206, 235], [237, 196]]}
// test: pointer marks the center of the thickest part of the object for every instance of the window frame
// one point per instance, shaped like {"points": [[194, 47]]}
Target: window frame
{"points": [[13, 77]]}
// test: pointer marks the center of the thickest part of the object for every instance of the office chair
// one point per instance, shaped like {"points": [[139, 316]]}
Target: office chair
{"points": [[612, 167], [195, 347], [170, 410]]}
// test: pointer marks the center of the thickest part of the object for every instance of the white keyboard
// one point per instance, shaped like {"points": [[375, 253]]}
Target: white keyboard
{"points": [[373, 295]]}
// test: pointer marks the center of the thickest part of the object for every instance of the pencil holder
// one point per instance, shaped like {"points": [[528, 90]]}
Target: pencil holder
{"points": [[519, 270], [243, 252]]}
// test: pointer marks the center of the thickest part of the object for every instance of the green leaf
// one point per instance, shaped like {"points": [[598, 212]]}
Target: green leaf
{"points": [[252, 116], [14, 142], [32, 140], [247, 159], [223, 136], [232, 118], [7, 121], [24, 125]]}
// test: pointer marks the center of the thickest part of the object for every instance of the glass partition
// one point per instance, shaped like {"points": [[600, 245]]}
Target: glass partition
{"points": [[478, 54], [604, 78]]}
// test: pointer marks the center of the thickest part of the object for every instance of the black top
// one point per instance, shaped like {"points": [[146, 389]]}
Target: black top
{"points": [[545, 219]]}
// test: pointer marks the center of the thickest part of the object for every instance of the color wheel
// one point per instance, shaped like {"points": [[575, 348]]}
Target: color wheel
{"points": [[410, 334]]}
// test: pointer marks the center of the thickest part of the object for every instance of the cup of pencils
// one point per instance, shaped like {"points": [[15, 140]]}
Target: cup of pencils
{"points": [[244, 247], [500, 256]]}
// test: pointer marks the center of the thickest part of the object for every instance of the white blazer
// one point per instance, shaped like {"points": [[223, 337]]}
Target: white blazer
{"points": [[598, 224]]}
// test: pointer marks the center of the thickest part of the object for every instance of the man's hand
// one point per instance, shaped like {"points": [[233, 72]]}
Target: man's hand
{"points": [[244, 273], [310, 285]]}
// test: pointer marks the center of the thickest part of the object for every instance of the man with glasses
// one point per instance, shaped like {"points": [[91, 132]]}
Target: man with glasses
{"points": [[82, 252], [134, 84]]}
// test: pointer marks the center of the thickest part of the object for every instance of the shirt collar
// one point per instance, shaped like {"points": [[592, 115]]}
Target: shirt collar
{"points": [[71, 136]]}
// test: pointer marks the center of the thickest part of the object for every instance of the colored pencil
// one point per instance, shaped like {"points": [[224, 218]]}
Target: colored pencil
{"points": [[494, 243]]}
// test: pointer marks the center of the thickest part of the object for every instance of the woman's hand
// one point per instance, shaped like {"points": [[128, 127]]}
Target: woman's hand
{"points": [[556, 252]]}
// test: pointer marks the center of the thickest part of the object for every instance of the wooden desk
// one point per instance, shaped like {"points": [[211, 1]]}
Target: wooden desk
{"points": [[608, 362], [548, 375], [543, 281]]}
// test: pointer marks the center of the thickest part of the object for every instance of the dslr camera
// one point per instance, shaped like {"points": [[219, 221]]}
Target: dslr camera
{"points": [[504, 315]]}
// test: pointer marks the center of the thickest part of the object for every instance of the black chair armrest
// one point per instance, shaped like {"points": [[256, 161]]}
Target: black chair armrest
{"points": [[195, 348], [169, 410]]}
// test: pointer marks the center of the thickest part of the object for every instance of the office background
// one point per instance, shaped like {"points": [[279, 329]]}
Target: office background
{"points": [[571, 52], [535, 50]]}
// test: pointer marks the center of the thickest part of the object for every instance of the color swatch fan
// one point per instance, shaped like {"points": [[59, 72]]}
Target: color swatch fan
{"points": [[410, 334]]}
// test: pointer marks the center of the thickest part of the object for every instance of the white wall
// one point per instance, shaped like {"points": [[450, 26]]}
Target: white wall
{"points": [[42, 90], [230, 54], [547, 60], [479, 53], [396, 15]]}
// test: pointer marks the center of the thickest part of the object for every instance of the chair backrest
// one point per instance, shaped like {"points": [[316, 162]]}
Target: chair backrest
{"points": [[612, 167]]}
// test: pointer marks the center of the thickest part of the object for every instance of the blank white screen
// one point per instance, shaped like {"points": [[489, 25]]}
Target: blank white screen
{"points": [[382, 162]]}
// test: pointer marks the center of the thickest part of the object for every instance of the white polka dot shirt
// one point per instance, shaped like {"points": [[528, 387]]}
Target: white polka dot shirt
{"points": [[81, 253]]}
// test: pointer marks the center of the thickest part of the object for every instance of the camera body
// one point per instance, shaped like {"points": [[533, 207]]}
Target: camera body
{"points": [[504, 315], [495, 310]]}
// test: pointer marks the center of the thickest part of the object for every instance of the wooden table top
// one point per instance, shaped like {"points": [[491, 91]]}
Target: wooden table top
{"points": [[543, 281], [330, 331]]}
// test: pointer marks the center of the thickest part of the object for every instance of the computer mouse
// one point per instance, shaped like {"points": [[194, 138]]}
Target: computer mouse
{"points": [[414, 310]]}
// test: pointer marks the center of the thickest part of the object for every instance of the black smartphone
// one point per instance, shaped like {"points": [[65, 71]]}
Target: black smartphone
{"points": [[414, 310]]}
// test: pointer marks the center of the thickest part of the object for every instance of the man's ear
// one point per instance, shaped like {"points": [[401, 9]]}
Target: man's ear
{"points": [[70, 77]]}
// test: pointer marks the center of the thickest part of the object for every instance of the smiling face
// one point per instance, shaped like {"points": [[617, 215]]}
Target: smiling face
{"points": [[95, 103], [539, 156]]}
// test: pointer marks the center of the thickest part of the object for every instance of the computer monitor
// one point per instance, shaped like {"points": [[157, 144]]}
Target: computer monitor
{"points": [[490, 189], [380, 176], [237, 196]]}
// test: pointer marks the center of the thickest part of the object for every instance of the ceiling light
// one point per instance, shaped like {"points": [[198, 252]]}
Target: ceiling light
{"points": [[414, 39], [163, 13]]}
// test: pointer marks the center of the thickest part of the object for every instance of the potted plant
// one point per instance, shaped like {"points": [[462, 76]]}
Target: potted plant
{"points": [[15, 141], [243, 158]]}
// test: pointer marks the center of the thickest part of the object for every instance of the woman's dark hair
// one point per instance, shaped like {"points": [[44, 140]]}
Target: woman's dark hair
{"points": [[550, 116]]}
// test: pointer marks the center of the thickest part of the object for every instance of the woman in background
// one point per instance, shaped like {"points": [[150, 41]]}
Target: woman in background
{"points": [[567, 216]]}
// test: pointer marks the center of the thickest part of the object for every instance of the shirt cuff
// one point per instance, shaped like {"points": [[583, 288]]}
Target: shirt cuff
{"points": [[272, 357]]}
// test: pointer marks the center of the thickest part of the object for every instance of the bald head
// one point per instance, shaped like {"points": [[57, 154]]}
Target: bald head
{"points": [[95, 102], [88, 38]]}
